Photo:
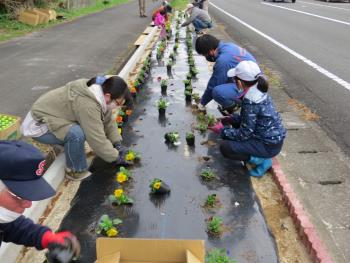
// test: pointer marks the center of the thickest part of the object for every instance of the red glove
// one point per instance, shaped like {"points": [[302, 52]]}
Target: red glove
{"points": [[63, 239], [217, 127]]}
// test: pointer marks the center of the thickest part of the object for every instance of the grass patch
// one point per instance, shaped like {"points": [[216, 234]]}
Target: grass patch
{"points": [[179, 4], [10, 28]]}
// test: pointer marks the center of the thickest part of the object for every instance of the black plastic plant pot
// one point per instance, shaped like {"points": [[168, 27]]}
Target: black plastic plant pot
{"points": [[188, 98], [164, 189], [161, 112], [134, 95], [168, 68], [164, 88], [190, 141]]}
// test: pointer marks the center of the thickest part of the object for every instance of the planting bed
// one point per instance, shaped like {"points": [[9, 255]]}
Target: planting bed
{"points": [[179, 214]]}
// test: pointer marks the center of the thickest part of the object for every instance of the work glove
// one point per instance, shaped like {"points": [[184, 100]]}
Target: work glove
{"points": [[216, 128], [201, 108], [121, 148], [121, 161], [63, 246], [227, 120]]}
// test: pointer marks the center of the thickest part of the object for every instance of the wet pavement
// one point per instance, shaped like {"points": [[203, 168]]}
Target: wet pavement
{"points": [[179, 215]]}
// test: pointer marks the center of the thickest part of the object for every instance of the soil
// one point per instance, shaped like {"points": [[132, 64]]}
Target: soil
{"points": [[290, 248]]}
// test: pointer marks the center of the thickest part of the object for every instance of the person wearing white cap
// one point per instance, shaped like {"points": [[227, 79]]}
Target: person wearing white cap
{"points": [[257, 134], [198, 17], [226, 55]]}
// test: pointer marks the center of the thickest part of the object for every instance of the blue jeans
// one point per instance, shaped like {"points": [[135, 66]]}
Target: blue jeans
{"points": [[243, 150], [226, 94], [199, 24], [73, 147]]}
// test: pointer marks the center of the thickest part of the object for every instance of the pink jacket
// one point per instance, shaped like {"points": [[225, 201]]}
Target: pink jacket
{"points": [[159, 20]]}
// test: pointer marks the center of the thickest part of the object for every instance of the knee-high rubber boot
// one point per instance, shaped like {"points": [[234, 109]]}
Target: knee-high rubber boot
{"points": [[261, 169], [256, 160]]}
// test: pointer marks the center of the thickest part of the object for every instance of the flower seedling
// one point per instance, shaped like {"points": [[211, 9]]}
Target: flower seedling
{"points": [[162, 104], [212, 201], [196, 97], [187, 82], [211, 120], [120, 198], [207, 174], [169, 66], [123, 175], [132, 156], [157, 186], [202, 127], [190, 138], [188, 95], [215, 226], [194, 72], [164, 85], [172, 137], [107, 226], [218, 256]]}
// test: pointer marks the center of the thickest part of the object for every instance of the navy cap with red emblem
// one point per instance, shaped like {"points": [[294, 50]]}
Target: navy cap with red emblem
{"points": [[21, 170]]}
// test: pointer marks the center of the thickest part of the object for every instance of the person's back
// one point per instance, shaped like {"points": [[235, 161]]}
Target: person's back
{"points": [[232, 54], [200, 14]]}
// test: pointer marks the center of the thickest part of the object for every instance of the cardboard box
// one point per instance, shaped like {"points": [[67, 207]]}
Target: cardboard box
{"points": [[50, 12], [132, 250], [28, 18], [43, 17], [13, 131]]}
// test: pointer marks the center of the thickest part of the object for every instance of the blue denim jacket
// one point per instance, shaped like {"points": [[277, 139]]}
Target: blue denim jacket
{"points": [[227, 57], [259, 120]]}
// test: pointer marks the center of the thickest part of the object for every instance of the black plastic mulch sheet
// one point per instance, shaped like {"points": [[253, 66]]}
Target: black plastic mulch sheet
{"points": [[179, 215]]}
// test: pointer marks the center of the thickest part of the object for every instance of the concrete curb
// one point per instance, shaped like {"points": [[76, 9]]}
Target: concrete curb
{"points": [[306, 230], [55, 174]]}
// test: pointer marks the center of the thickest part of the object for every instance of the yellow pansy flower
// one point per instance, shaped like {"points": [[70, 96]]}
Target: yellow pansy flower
{"points": [[120, 131], [157, 185], [112, 232], [118, 193], [121, 177], [130, 156]]}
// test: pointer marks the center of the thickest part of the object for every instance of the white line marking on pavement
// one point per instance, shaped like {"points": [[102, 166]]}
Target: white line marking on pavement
{"points": [[335, 7], [309, 14], [320, 69]]}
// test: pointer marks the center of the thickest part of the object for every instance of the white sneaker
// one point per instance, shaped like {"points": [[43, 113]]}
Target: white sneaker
{"points": [[76, 176]]}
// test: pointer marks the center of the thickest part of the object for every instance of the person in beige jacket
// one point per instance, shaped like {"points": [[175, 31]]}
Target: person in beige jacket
{"points": [[77, 112]]}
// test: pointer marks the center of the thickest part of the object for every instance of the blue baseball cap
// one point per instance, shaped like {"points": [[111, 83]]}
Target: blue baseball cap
{"points": [[22, 170]]}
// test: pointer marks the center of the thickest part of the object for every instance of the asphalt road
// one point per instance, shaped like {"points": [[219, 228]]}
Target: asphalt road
{"points": [[94, 44], [307, 44]]}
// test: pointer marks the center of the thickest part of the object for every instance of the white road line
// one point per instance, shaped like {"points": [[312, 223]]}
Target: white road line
{"points": [[335, 7], [320, 69], [309, 14]]}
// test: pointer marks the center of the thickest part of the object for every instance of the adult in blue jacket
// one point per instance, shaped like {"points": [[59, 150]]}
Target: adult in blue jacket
{"points": [[226, 56], [257, 134], [21, 182]]}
